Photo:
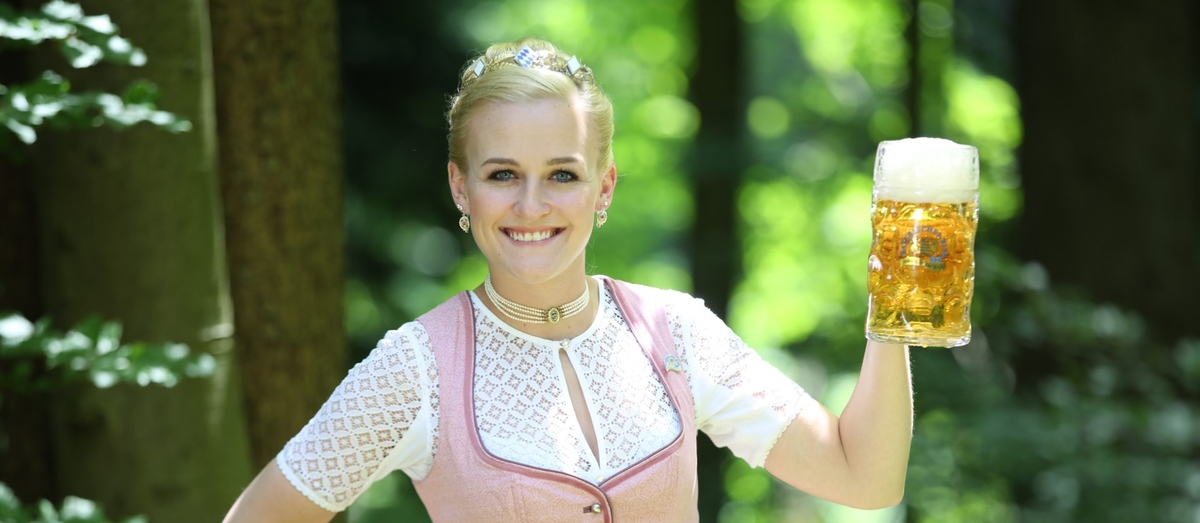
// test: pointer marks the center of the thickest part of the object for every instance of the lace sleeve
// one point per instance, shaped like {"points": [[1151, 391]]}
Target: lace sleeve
{"points": [[380, 418], [742, 402]]}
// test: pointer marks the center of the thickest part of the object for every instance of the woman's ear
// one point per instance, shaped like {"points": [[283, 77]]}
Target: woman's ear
{"points": [[458, 186], [608, 184]]}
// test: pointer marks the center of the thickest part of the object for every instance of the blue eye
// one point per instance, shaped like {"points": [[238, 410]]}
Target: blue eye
{"points": [[501, 176], [564, 176]]}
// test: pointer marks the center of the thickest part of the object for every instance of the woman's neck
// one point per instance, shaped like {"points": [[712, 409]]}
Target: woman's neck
{"points": [[545, 296]]}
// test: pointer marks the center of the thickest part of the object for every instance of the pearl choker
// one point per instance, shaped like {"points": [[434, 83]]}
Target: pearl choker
{"points": [[529, 314]]}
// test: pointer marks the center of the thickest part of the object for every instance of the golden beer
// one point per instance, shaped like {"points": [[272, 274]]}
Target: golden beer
{"points": [[921, 271]]}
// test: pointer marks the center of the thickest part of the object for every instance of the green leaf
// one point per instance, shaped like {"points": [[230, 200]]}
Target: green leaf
{"points": [[47, 513], [15, 329], [141, 92], [75, 508]]}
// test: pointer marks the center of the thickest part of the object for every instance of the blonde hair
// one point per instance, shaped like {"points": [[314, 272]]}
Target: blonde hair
{"points": [[505, 82]]}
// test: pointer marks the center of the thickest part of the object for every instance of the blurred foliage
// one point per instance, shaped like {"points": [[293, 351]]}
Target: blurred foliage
{"points": [[1106, 430], [48, 101], [1061, 409], [38, 359], [42, 359], [73, 510]]}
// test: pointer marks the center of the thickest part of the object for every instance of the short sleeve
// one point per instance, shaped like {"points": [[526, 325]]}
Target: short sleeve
{"points": [[380, 418], [742, 402]]}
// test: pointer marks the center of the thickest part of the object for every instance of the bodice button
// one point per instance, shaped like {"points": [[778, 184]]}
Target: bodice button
{"points": [[596, 508]]}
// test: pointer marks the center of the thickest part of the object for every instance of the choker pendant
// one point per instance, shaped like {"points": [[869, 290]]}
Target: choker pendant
{"points": [[527, 314]]}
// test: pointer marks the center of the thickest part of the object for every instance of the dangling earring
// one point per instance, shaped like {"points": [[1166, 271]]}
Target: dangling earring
{"points": [[464, 222], [601, 219]]}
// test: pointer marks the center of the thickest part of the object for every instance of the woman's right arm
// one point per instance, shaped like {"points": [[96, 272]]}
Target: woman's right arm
{"points": [[379, 419], [272, 498]]}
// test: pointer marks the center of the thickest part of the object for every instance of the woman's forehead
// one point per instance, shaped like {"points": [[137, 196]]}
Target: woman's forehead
{"points": [[536, 130]]}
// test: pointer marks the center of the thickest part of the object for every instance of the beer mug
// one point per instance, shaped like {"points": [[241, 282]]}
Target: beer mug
{"points": [[921, 272]]}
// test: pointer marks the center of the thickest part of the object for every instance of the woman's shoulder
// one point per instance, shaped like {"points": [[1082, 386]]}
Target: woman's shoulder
{"points": [[405, 349], [406, 337], [675, 302]]}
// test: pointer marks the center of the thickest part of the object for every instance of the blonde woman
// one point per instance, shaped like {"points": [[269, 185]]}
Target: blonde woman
{"points": [[546, 394]]}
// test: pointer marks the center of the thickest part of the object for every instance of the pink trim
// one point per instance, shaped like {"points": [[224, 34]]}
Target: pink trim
{"points": [[628, 304]]}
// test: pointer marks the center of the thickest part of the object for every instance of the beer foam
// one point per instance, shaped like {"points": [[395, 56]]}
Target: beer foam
{"points": [[926, 170]]}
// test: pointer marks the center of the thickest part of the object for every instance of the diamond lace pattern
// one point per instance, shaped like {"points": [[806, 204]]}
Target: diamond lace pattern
{"points": [[341, 450], [742, 402], [524, 411]]}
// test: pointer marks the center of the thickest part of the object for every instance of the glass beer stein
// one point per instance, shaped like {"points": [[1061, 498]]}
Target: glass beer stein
{"points": [[921, 272]]}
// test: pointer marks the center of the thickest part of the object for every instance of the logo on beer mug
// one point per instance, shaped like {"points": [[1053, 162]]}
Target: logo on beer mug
{"points": [[929, 250], [921, 272]]}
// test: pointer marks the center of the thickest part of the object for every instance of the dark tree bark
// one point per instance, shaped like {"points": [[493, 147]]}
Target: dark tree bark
{"points": [[130, 230], [275, 67], [717, 157], [1109, 161], [24, 428], [717, 160], [912, 93]]}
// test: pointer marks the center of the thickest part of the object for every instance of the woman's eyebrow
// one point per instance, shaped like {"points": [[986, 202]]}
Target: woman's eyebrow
{"points": [[553, 161], [564, 159], [500, 161]]}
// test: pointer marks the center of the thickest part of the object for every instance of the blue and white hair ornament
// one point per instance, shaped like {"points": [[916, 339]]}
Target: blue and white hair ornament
{"points": [[532, 59], [525, 57]]}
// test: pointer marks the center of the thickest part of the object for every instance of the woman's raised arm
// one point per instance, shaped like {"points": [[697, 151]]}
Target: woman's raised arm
{"points": [[271, 498], [860, 459]]}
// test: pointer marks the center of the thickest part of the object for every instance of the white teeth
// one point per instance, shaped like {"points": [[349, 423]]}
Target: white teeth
{"points": [[530, 236]]}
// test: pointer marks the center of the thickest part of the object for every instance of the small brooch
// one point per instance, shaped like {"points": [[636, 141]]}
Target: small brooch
{"points": [[672, 364]]}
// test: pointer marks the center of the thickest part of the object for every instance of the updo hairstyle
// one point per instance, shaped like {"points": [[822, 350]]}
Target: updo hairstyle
{"points": [[498, 77]]}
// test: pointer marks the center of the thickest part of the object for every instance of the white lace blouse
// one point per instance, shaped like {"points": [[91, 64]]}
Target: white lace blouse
{"points": [[384, 415]]}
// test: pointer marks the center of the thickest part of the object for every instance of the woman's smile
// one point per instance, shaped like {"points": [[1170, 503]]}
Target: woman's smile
{"points": [[526, 236]]}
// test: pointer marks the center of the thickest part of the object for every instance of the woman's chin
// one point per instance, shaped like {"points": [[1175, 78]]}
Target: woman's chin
{"points": [[530, 275]]}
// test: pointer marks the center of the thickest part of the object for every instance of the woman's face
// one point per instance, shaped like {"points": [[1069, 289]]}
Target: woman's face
{"points": [[531, 188]]}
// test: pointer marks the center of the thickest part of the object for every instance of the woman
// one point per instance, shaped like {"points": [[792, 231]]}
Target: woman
{"points": [[549, 395]]}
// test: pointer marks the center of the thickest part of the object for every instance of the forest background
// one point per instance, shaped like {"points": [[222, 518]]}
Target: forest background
{"points": [[301, 211]]}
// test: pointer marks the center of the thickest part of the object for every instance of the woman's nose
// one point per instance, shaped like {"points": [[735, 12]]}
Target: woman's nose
{"points": [[531, 201]]}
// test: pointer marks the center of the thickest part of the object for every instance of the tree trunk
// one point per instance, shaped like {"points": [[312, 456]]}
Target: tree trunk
{"points": [[275, 65], [1109, 163], [717, 157], [717, 160], [130, 230], [24, 431]]}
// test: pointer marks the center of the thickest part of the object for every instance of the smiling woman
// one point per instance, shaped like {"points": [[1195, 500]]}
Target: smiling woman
{"points": [[551, 395]]}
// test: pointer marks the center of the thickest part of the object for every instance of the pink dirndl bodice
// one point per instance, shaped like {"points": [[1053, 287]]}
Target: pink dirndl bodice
{"points": [[466, 483]]}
